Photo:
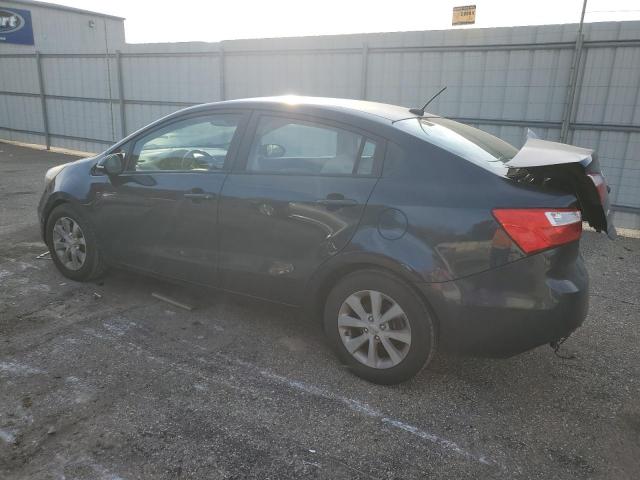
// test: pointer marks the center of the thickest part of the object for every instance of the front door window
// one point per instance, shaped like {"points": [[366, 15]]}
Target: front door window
{"points": [[194, 144]]}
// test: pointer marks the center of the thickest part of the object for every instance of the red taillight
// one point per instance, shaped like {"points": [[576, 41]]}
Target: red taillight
{"points": [[601, 185], [535, 229]]}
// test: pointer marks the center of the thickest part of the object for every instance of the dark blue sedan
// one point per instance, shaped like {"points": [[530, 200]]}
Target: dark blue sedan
{"points": [[405, 231]]}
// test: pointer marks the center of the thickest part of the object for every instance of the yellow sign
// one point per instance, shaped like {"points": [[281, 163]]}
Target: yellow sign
{"points": [[464, 15]]}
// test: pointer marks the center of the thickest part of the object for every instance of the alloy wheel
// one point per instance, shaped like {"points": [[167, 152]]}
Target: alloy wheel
{"points": [[69, 243], [374, 329]]}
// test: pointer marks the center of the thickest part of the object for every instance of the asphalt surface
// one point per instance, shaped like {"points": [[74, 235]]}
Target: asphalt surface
{"points": [[103, 381]]}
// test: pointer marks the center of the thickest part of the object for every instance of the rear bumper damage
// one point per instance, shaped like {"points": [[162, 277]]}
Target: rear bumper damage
{"points": [[570, 169], [513, 308]]}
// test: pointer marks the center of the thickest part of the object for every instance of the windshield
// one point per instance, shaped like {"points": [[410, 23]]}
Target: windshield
{"points": [[476, 146]]}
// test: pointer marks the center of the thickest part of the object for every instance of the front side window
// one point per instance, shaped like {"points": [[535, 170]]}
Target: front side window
{"points": [[194, 144], [124, 148], [285, 145]]}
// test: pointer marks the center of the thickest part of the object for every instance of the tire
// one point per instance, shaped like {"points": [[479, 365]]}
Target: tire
{"points": [[393, 359], [92, 265]]}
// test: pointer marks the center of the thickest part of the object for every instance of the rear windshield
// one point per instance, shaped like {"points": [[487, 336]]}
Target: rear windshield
{"points": [[472, 144]]}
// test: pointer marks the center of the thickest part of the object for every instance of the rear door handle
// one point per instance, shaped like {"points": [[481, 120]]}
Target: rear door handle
{"points": [[337, 202]]}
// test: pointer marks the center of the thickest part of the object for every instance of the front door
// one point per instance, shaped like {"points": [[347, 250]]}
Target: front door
{"points": [[294, 199], [160, 215]]}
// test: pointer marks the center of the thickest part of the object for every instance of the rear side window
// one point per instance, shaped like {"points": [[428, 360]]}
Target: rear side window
{"points": [[291, 146], [474, 145], [365, 165]]}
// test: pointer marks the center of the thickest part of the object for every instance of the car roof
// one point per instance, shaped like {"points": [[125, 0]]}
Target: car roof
{"points": [[371, 110], [382, 114]]}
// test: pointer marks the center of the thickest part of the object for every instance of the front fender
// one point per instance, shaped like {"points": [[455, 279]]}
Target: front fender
{"points": [[69, 186]]}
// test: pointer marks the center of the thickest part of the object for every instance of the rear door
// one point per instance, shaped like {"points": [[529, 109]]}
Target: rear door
{"points": [[160, 215], [294, 199]]}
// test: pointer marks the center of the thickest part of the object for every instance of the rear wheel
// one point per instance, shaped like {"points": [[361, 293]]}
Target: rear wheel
{"points": [[379, 327], [72, 243]]}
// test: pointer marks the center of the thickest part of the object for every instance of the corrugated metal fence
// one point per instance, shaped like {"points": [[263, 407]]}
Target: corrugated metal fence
{"points": [[502, 80]]}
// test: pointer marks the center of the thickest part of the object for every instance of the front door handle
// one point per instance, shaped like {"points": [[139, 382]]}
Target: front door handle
{"points": [[201, 196], [198, 194]]}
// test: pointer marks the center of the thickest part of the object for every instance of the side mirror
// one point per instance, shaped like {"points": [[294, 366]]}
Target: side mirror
{"points": [[272, 150], [112, 164]]}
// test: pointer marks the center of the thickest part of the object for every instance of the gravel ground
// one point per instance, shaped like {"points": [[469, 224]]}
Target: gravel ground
{"points": [[103, 381]]}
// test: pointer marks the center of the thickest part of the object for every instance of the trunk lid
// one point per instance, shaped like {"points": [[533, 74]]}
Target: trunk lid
{"points": [[569, 169]]}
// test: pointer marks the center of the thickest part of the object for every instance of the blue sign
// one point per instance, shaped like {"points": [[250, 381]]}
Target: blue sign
{"points": [[15, 26]]}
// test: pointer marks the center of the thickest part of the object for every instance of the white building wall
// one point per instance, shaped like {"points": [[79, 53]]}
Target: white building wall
{"points": [[57, 31]]}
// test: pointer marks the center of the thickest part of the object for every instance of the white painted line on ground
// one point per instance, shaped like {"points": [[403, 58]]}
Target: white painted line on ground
{"points": [[365, 409], [7, 436], [18, 368], [354, 405]]}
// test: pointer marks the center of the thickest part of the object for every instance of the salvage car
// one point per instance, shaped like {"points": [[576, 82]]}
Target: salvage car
{"points": [[405, 231]]}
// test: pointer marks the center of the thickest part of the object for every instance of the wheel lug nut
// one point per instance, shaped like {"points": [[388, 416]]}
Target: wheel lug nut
{"points": [[377, 337], [366, 330], [370, 318], [382, 327]]}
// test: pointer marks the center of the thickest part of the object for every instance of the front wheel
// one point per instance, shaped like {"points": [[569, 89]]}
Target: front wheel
{"points": [[380, 328], [73, 244]]}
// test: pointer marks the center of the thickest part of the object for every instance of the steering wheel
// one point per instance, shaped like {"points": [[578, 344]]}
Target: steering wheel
{"points": [[193, 159]]}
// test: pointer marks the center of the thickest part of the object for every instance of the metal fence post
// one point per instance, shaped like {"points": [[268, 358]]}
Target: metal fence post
{"points": [[573, 78], [365, 66], [123, 116], [43, 102], [571, 90], [575, 104], [221, 69]]}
